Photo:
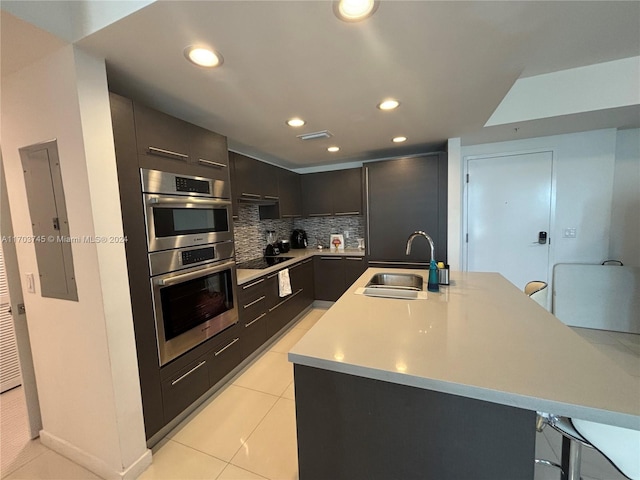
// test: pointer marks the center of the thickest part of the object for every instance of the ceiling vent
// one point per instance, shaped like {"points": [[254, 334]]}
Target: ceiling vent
{"points": [[314, 135]]}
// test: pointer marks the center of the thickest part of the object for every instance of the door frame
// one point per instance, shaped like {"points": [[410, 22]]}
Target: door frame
{"points": [[552, 213], [29, 385]]}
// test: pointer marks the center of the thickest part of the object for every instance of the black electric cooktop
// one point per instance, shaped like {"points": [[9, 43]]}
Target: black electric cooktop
{"points": [[262, 262]]}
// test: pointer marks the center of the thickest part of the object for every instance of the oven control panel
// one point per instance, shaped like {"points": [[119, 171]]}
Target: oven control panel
{"points": [[192, 185], [199, 255]]}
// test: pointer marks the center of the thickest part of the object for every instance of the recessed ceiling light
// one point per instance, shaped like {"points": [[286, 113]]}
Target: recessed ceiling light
{"points": [[295, 122], [399, 139], [354, 10], [388, 104], [203, 57], [333, 149]]}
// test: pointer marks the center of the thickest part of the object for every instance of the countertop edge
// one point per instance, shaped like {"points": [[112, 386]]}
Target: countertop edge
{"points": [[619, 419]]}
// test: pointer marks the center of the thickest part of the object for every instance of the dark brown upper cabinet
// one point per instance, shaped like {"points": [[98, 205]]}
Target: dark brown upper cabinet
{"points": [[334, 193], [290, 192], [254, 180], [168, 143]]}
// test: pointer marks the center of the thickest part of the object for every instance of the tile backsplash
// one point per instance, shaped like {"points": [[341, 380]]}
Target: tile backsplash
{"points": [[250, 231], [319, 229]]}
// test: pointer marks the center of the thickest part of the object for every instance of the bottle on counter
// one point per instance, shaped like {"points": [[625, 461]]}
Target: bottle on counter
{"points": [[433, 281]]}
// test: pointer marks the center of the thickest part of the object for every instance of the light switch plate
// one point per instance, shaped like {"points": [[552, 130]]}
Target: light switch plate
{"points": [[569, 232], [31, 283]]}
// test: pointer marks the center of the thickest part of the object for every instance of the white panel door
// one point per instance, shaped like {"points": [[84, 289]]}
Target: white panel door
{"points": [[508, 205]]}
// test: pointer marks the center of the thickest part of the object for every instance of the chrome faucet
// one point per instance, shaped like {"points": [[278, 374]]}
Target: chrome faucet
{"points": [[420, 233]]}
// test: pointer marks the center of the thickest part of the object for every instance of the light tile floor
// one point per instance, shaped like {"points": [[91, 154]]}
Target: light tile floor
{"points": [[247, 430]]}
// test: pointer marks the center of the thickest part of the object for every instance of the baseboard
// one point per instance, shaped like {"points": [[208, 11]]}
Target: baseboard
{"points": [[92, 463], [322, 304]]}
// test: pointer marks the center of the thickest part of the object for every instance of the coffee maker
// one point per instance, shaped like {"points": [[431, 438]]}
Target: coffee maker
{"points": [[299, 239]]}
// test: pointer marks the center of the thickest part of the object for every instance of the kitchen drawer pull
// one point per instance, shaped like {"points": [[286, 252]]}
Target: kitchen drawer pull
{"points": [[162, 151], [320, 214], [182, 377], [271, 197], [359, 259], [254, 320], [244, 287], [211, 163], [346, 213], [307, 261], [331, 258], [254, 302], [251, 195], [285, 300], [226, 346], [273, 275]]}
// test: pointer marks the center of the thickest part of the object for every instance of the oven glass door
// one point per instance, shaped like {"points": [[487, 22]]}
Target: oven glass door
{"points": [[193, 306], [177, 221]]}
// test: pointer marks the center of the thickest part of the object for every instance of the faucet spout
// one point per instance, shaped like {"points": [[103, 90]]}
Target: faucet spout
{"points": [[420, 233]]}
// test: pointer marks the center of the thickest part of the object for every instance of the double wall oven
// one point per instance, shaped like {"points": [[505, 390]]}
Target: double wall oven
{"points": [[191, 259]]}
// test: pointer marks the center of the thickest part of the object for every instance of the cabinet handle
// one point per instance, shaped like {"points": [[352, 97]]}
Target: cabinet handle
{"points": [[319, 214], [354, 258], [272, 275], [290, 216], [346, 213], [285, 300], [330, 258], [307, 261], [163, 152], [254, 320], [211, 163], [250, 195], [226, 346], [271, 197], [181, 377], [244, 287], [254, 302]]}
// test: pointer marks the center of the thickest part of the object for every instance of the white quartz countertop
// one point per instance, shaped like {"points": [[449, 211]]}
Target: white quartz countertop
{"points": [[480, 337], [298, 254]]}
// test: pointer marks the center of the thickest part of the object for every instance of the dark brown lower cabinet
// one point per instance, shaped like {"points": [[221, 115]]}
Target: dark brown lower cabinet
{"points": [[224, 358], [335, 274], [184, 387]]}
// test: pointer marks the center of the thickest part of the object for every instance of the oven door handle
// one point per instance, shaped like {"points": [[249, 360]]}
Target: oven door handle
{"points": [[161, 200], [165, 282]]}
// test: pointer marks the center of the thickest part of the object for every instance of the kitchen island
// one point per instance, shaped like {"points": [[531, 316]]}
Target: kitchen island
{"points": [[446, 387]]}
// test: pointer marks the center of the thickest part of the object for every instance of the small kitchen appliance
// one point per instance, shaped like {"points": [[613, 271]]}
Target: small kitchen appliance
{"points": [[299, 239], [284, 246]]}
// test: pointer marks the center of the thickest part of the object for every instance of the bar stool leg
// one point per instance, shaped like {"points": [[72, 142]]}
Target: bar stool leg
{"points": [[571, 458]]}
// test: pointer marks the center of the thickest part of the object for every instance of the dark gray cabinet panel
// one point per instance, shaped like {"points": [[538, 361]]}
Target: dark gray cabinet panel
{"points": [[316, 194], [353, 268], [290, 193], [252, 305], [329, 277], [337, 192], [209, 149], [184, 387], [161, 136], [255, 180], [224, 357], [405, 195]]}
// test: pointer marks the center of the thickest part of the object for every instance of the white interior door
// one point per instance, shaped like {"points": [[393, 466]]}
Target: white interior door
{"points": [[508, 206]]}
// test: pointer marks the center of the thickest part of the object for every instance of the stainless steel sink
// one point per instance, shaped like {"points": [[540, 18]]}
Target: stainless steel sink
{"points": [[396, 281]]}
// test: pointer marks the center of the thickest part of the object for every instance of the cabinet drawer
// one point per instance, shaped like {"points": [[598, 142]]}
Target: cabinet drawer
{"points": [[183, 388], [224, 358], [254, 334], [250, 291]]}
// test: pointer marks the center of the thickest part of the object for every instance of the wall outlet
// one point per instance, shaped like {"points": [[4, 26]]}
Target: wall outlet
{"points": [[569, 232], [346, 234], [31, 283]]}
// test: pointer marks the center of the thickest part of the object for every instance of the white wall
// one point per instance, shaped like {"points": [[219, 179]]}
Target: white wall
{"points": [[583, 187], [625, 210], [84, 352]]}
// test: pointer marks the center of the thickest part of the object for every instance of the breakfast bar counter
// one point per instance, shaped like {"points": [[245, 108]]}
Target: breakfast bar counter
{"points": [[447, 385]]}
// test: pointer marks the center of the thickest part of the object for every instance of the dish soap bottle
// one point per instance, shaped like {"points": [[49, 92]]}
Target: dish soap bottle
{"points": [[432, 283]]}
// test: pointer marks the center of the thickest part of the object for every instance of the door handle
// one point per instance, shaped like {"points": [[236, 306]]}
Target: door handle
{"points": [[542, 238]]}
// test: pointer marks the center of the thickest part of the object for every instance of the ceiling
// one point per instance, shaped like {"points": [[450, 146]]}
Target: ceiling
{"points": [[448, 63]]}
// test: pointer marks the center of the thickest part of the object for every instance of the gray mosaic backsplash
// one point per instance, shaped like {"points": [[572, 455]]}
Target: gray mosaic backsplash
{"points": [[250, 232], [319, 229]]}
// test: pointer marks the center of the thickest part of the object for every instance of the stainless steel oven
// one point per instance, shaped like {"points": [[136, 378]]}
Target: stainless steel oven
{"points": [[183, 210], [194, 296]]}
